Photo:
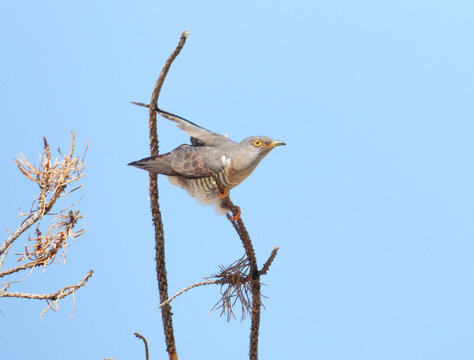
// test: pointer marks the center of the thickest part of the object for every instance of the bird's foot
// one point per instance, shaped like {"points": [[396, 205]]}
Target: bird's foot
{"points": [[224, 194], [235, 214]]}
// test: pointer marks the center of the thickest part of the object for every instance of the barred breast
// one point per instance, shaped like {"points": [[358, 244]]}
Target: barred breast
{"points": [[205, 189]]}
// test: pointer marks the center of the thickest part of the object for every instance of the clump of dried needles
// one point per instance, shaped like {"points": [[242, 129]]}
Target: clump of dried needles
{"points": [[55, 178], [235, 287]]}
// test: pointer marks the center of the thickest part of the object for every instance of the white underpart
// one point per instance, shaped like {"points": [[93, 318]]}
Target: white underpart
{"points": [[193, 189]]}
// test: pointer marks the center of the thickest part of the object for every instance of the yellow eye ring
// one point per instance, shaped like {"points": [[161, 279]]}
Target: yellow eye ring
{"points": [[257, 143]]}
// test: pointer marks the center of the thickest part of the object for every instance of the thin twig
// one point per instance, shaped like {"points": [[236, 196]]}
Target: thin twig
{"points": [[4, 255], [192, 286], [155, 207], [147, 356], [61, 293]]}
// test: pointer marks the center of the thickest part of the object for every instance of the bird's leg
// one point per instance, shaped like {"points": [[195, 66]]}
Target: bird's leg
{"points": [[223, 194], [222, 191]]}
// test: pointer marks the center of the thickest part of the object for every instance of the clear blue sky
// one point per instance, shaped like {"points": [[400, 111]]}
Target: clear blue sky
{"points": [[371, 202]]}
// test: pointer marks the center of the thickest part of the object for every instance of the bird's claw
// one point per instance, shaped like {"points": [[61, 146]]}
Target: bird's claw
{"points": [[235, 214], [224, 194]]}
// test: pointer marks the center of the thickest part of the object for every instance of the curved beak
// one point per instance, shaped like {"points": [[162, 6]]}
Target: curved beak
{"points": [[275, 143]]}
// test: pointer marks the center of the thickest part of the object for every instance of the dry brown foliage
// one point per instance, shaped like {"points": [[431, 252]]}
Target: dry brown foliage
{"points": [[46, 247], [56, 179]]}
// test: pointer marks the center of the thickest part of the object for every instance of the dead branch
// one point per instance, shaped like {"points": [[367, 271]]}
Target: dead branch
{"points": [[147, 356], [52, 179], [54, 297], [155, 207]]}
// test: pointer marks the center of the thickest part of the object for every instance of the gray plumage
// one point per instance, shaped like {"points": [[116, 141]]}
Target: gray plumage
{"points": [[191, 166]]}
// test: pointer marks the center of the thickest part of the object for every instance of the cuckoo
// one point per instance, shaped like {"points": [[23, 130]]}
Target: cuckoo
{"points": [[211, 166]]}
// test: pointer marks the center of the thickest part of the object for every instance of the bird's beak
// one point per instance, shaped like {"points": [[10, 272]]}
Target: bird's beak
{"points": [[274, 143]]}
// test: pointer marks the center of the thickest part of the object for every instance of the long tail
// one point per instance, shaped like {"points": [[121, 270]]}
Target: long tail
{"points": [[166, 114]]}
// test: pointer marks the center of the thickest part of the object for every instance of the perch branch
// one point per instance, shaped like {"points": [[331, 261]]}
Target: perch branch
{"points": [[255, 282], [254, 273]]}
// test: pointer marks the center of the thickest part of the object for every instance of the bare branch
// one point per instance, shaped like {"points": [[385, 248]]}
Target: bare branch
{"points": [[18, 268], [147, 356], [34, 217], [54, 297], [156, 93], [155, 207]]}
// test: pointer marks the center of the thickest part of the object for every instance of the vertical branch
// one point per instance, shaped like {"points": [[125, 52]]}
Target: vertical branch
{"points": [[155, 208], [254, 273]]}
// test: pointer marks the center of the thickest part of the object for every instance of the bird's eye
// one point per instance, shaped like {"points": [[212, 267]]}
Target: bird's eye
{"points": [[257, 143]]}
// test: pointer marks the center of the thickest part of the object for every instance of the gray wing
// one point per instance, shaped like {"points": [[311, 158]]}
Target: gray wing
{"points": [[199, 135], [188, 161]]}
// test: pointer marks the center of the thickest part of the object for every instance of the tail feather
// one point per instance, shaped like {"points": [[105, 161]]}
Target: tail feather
{"points": [[159, 164]]}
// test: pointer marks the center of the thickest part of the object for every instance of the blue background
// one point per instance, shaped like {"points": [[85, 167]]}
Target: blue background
{"points": [[371, 202]]}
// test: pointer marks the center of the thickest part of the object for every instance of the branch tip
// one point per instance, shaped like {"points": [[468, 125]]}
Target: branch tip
{"points": [[139, 336]]}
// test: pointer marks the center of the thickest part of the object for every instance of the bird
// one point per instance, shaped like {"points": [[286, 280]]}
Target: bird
{"points": [[195, 167]]}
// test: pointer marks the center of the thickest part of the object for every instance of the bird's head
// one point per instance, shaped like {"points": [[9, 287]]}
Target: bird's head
{"points": [[261, 144], [249, 153]]}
